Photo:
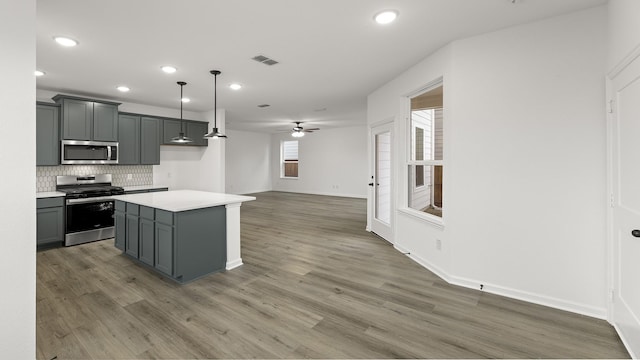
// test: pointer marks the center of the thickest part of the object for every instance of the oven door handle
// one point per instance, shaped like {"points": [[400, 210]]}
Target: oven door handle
{"points": [[89, 200]]}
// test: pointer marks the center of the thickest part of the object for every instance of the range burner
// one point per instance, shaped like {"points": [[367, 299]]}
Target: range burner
{"points": [[74, 192], [78, 187]]}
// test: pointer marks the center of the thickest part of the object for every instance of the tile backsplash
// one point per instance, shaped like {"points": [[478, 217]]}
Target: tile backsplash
{"points": [[140, 174]]}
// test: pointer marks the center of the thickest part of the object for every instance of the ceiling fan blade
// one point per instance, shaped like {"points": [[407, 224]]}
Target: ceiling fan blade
{"points": [[313, 129]]}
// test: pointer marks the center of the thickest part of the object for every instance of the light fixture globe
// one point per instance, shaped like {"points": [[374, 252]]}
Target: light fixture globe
{"points": [[297, 134], [215, 133], [181, 138]]}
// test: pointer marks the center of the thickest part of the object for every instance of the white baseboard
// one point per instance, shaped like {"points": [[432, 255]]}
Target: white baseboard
{"points": [[582, 309], [234, 264]]}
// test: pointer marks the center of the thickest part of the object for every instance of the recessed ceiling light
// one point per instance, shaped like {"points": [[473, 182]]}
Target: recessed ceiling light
{"points": [[123, 88], [39, 73], [235, 86], [65, 41], [385, 17], [169, 69], [185, 100]]}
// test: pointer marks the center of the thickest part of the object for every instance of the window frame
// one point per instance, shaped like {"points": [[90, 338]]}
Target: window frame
{"points": [[283, 161], [410, 161]]}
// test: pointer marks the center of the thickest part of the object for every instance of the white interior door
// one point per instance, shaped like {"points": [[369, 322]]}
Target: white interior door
{"points": [[381, 181], [624, 91]]}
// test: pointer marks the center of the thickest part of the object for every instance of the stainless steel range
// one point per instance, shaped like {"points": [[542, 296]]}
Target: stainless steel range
{"points": [[89, 207]]}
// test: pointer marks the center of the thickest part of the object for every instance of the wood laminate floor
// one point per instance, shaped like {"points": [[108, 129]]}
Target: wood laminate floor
{"points": [[314, 284]]}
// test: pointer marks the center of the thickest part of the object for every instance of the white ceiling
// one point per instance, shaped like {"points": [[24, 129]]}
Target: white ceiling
{"points": [[331, 52]]}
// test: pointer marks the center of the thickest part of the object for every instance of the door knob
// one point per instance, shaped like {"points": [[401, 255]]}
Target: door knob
{"points": [[635, 233], [370, 184]]}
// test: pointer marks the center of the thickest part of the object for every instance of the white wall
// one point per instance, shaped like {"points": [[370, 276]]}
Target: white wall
{"points": [[524, 155], [331, 162], [247, 162], [624, 29], [18, 183]]}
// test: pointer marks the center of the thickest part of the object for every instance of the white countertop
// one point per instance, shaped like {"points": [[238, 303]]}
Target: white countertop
{"points": [[143, 187], [183, 200], [49, 194]]}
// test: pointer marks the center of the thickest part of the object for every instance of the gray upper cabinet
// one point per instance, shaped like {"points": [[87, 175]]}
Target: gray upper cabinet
{"points": [[105, 122], [139, 140], [86, 119], [47, 134], [193, 129], [150, 129], [196, 131], [129, 140], [171, 129]]}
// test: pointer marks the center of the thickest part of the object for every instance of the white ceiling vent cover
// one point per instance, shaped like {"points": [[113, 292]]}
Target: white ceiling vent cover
{"points": [[265, 60]]}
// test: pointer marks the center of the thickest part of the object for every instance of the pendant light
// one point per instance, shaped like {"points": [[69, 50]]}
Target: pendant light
{"points": [[181, 139], [215, 133]]}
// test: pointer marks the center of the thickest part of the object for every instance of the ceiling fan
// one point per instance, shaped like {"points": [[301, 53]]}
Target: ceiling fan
{"points": [[298, 131]]}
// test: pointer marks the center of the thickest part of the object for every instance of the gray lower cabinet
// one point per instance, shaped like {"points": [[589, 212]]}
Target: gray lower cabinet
{"points": [[147, 236], [121, 226], [47, 134], [183, 245], [132, 231], [164, 248], [50, 220]]}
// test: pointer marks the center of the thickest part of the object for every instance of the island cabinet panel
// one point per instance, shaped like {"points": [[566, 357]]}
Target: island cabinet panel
{"points": [[147, 246], [120, 224], [164, 248], [200, 241], [132, 238], [183, 245]]}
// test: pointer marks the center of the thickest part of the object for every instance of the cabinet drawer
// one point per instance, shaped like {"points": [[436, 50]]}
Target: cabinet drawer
{"points": [[121, 205], [49, 202], [165, 217], [133, 209], [146, 212]]}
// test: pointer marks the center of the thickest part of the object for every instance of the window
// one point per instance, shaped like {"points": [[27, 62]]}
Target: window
{"points": [[425, 163], [289, 156]]}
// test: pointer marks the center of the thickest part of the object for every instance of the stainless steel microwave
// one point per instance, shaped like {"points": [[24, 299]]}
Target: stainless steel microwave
{"points": [[75, 152]]}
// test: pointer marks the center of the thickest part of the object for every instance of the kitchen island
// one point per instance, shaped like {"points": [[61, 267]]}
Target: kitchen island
{"points": [[184, 234]]}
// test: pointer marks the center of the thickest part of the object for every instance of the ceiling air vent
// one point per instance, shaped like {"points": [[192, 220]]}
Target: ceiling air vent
{"points": [[265, 60], [263, 105]]}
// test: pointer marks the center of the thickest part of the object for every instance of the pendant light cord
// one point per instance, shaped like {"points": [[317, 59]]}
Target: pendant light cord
{"points": [[215, 100], [181, 122]]}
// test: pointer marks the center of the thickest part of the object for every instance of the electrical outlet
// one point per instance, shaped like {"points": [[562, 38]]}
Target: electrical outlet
{"points": [[169, 175], [438, 244]]}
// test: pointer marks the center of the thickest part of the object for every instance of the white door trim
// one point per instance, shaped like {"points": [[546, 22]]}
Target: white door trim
{"points": [[372, 224]]}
